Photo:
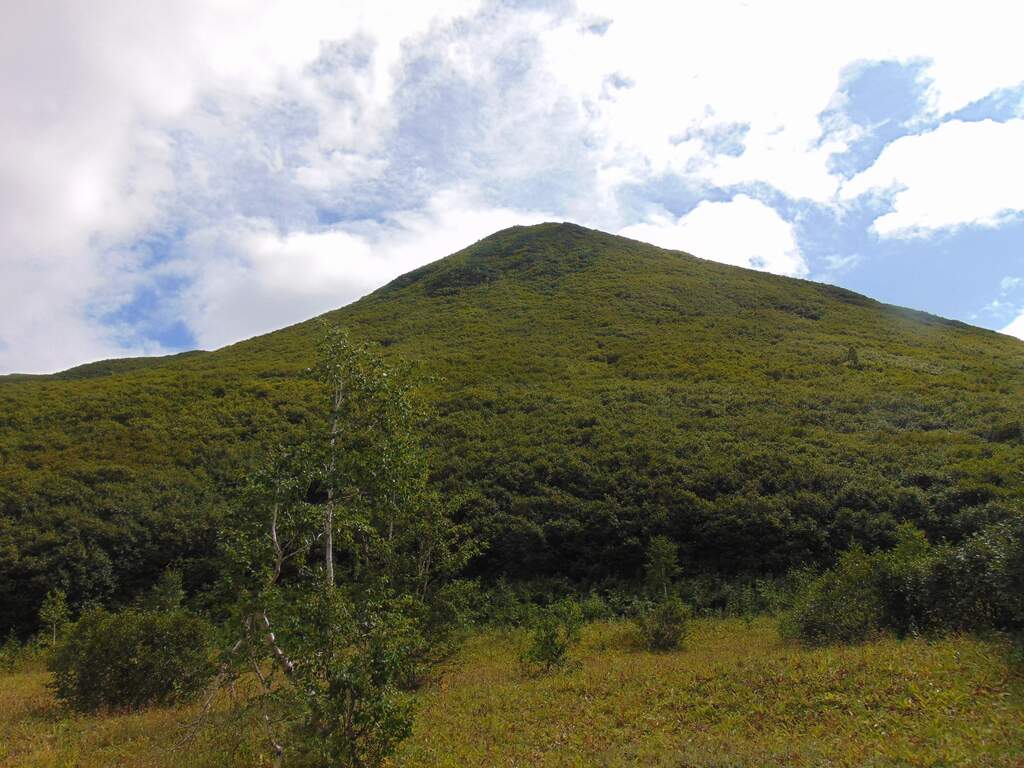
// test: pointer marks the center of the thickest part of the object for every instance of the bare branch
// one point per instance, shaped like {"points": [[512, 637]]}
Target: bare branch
{"points": [[279, 656]]}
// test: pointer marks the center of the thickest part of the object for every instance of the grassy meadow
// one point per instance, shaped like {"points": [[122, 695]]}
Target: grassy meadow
{"points": [[736, 695]]}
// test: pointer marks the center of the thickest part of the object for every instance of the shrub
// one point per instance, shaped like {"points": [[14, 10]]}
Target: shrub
{"points": [[32, 656], [661, 568], [841, 605], [906, 583], [350, 705], [594, 608], [503, 606], [553, 635], [916, 587], [167, 594], [131, 659], [664, 627], [9, 653], [54, 614], [1013, 568]]}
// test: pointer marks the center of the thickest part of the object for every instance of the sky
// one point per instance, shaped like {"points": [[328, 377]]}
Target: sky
{"points": [[186, 175]]}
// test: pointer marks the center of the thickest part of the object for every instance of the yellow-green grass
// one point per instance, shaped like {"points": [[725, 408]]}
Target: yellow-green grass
{"points": [[737, 695], [35, 731]]}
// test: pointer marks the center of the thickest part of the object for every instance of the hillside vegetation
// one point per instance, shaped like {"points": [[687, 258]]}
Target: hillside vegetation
{"points": [[587, 392]]}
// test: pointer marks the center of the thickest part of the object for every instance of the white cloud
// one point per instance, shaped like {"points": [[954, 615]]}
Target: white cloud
{"points": [[960, 173], [249, 278], [774, 66], [743, 231], [91, 95], [119, 119], [1010, 283], [1016, 328]]}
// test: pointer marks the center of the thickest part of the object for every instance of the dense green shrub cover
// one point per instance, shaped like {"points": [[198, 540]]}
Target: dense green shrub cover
{"points": [[589, 393], [131, 658], [915, 588]]}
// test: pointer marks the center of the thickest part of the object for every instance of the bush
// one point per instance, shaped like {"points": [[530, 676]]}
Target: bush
{"points": [[907, 586], [24, 657], [916, 588], [9, 653], [553, 635], [131, 659], [503, 606], [167, 594], [350, 704], [664, 627], [594, 608], [841, 605], [1013, 569]]}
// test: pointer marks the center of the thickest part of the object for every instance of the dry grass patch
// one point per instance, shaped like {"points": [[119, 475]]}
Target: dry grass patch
{"points": [[736, 696]]}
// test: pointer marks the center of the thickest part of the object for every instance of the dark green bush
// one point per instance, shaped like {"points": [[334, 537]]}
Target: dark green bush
{"points": [[907, 586], [553, 635], [501, 605], [664, 627], [841, 605], [916, 587], [1013, 567], [131, 659], [593, 607]]}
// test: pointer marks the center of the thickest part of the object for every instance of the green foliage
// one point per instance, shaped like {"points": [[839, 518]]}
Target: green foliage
{"points": [[348, 704], [54, 614], [665, 625], [343, 560], [167, 594], [504, 605], [132, 658], [593, 607], [589, 392], [31, 656], [9, 653], [916, 587], [553, 635], [841, 605], [661, 567]]}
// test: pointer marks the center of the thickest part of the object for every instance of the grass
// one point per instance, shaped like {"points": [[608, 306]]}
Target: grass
{"points": [[736, 696]]}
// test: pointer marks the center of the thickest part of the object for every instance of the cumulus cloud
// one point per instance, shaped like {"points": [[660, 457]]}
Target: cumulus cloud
{"points": [[253, 134], [93, 95], [743, 231], [248, 277], [1016, 328], [960, 173], [774, 67]]}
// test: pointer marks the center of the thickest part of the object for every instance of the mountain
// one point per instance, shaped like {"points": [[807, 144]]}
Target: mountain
{"points": [[588, 391]]}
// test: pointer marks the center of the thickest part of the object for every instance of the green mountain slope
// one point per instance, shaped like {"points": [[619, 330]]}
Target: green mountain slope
{"points": [[590, 391]]}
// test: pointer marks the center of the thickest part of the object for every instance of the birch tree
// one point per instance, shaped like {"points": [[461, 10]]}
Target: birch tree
{"points": [[342, 552]]}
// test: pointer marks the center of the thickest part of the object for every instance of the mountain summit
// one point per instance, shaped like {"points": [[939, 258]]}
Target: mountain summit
{"points": [[587, 392]]}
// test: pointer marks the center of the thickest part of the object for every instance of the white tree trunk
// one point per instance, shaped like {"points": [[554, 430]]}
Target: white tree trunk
{"points": [[329, 512]]}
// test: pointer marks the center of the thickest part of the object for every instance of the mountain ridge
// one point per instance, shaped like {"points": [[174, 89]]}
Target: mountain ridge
{"points": [[426, 271], [587, 391]]}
